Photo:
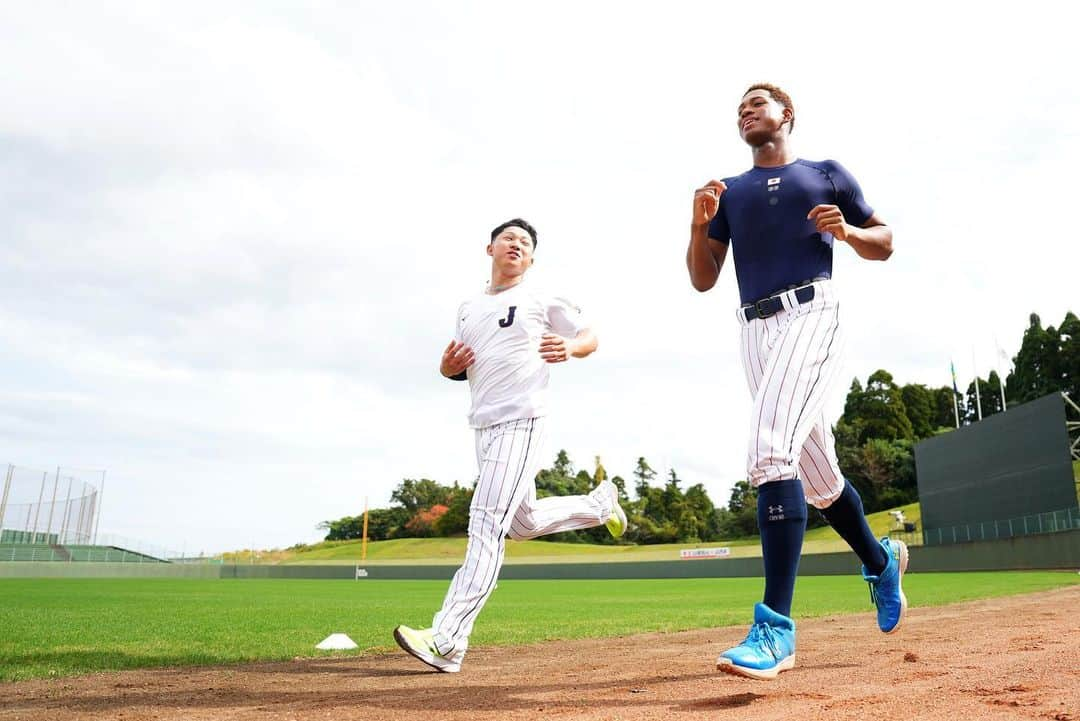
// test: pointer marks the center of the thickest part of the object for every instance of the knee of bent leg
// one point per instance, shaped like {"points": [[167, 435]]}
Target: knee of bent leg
{"points": [[521, 527], [482, 521], [781, 501]]}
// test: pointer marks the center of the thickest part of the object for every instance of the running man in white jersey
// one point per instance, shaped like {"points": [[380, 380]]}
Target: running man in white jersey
{"points": [[506, 336]]}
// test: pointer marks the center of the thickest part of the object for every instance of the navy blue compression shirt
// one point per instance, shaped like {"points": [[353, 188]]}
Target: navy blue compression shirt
{"points": [[763, 215]]}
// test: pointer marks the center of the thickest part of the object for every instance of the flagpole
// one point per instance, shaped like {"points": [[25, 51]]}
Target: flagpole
{"points": [[978, 401], [955, 393]]}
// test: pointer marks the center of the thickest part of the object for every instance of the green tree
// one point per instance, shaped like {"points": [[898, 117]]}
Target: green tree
{"points": [[386, 523], [383, 523], [562, 465], [883, 471], [343, 529], [741, 519], [989, 399], [882, 411], [559, 480], [621, 485], [1037, 367], [415, 496], [455, 521], [944, 415], [853, 404], [920, 406], [1069, 339], [643, 475]]}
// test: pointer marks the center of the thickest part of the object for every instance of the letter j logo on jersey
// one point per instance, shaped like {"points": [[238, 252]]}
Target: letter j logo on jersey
{"points": [[509, 319]]}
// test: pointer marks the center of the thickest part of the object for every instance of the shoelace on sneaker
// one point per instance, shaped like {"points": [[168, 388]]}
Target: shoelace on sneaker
{"points": [[762, 634]]}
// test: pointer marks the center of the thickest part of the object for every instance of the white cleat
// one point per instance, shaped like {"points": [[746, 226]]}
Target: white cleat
{"points": [[616, 522], [421, 644]]}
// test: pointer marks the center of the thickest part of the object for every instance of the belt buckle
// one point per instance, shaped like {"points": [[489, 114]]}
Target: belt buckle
{"points": [[762, 312]]}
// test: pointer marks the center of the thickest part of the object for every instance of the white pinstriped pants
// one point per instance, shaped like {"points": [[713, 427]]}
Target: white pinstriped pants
{"points": [[792, 361], [505, 503]]}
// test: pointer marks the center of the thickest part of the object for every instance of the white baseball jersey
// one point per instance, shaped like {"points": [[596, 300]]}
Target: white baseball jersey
{"points": [[509, 379]]}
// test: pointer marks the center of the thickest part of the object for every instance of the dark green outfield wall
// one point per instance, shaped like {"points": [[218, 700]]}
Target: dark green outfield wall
{"points": [[1007, 465], [1048, 551]]}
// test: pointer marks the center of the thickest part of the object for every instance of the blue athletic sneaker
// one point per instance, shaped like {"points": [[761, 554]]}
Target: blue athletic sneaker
{"points": [[885, 589], [769, 648]]}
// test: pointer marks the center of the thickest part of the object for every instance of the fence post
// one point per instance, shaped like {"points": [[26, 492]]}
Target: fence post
{"points": [[65, 523], [3, 499], [100, 494], [52, 507], [41, 497], [79, 515]]}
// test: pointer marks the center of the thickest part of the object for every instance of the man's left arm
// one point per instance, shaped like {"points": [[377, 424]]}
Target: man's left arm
{"points": [[873, 240], [556, 349], [569, 333]]}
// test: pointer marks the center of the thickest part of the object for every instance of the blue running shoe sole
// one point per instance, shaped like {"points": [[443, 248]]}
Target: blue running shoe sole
{"points": [[761, 674], [899, 583]]}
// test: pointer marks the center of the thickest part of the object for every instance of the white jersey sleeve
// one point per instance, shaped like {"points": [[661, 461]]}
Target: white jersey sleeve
{"points": [[564, 317]]}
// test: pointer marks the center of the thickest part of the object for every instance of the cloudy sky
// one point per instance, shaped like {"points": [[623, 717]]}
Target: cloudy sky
{"points": [[233, 235]]}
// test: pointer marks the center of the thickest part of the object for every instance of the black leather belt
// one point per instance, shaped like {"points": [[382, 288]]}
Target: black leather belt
{"points": [[774, 303]]}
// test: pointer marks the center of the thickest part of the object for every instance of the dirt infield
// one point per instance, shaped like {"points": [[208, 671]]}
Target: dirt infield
{"points": [[1005, 658]]}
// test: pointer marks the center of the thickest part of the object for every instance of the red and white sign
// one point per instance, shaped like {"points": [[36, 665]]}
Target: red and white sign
{"points": [[692, 553]]}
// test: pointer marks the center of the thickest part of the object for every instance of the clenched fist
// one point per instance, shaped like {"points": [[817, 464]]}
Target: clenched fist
{"points": [[707, 200], [456, 358], [830, 219]]}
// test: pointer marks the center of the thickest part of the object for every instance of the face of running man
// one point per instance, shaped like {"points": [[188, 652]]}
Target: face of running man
{"points": [[760, 117], [512, 250]]}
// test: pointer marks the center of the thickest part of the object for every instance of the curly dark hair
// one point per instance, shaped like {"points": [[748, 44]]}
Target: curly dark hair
{"points": [[779, 96], [516, 223]]}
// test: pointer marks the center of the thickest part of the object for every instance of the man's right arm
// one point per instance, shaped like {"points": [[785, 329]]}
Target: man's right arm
{"points": [[705, 256], [455, 360]]}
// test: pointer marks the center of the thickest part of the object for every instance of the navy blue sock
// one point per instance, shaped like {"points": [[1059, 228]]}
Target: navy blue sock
{"points": [[782, 520], [846, 516]]}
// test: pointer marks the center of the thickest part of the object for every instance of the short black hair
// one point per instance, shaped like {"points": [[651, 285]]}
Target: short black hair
{"points": [[518, 223]]}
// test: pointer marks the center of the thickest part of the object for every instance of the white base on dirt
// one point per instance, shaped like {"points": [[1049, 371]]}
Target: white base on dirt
{"points": [[336, 642]]}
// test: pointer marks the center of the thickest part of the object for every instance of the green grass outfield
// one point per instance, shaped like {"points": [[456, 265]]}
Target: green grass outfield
{"points": [[60, 627]]}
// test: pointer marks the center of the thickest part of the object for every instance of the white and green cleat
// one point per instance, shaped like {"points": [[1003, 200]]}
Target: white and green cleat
{"points": [[616, 522], [421, 644]]}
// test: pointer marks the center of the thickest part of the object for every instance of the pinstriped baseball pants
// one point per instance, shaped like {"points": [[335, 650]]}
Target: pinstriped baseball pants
{"points": [[792, 361], [505, 503]]}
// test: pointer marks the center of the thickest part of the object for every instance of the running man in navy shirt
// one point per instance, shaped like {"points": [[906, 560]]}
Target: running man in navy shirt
{"points": [[781, 221]]}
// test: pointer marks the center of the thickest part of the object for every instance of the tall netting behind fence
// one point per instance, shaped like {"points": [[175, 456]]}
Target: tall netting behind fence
{"points": [[61, 506]]}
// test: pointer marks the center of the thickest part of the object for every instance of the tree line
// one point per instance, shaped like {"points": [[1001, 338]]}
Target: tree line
{"points": [[875, 441]]}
